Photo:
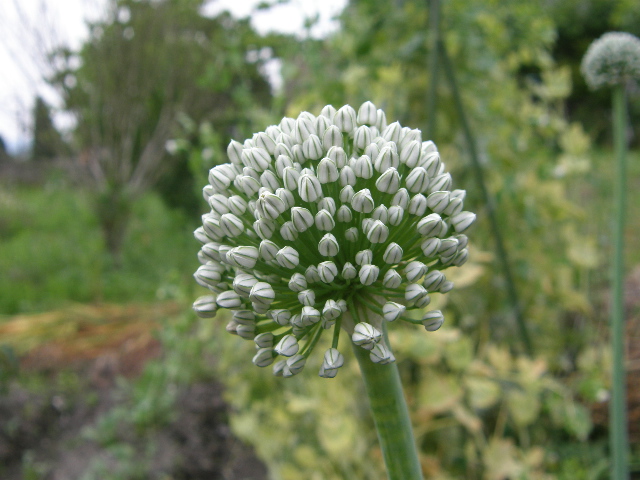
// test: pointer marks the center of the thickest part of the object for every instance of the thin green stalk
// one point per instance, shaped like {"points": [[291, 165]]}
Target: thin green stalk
{"points": [[434, 40], [391, 417], [617, 407], [488, 201]]}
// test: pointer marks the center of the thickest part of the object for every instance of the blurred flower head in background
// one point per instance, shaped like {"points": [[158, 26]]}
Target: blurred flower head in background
{"points": [[339, 222], [612, 59]]}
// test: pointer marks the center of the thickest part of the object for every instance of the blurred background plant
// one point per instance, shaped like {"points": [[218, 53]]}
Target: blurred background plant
{"points": [[159, 77]]}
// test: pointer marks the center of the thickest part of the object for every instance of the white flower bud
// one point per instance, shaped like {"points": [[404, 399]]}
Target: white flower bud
{"points": [[431, 163], [368, 274], [327, 271], [278, 368], [287, 197], [328, 111], [218, 180], [264, 228], [270, 206], [389, 181], [367, 114], [331, 310], [332, 137], [444, 228], [208, 275], [396, 213], [282, 162], [363, 201], [347, 176], [366, 335], [288, 257], [387, 158], [328, 246], [440, 182], [364, 257], [309, 188], [263, 358], [205, 306], [410, 154], [362, 137], [257, 158], [287, 346], [345, 119], [290, 178], [363, 168], [430, 247], [312, 148], [308, 314], [223, 250], [262, 293], [281, 316], [372, 151], [322, 124], [234, 151], [417, 181], [338, 155], [244, 256], [218, 203], [207, 191], [304, 127], [349, 272], [417, 205], [344, 214], [250, 185], [415, 270], [269, 181], [264, 141], [301, 218], [460, 258], [211, 229], [244, 317], [288, 231], [438, 201], [328, 204], [229, 299], [297, 283], [401, 198], [416, 294], [433, 320], [324, 221], [429, 225], [462, 221], [392, 311], [264, 340], [381, 120], [294, 365], [243, 283], [237, 205], [455, 206], [381, 354], [346, 194], [211, 251], [446, 287], [246, 331], [287, 125], [448, 247], [327, 171], [392, 132], [392, 279], [311, 274], [380, 213], [433, 280], [378, 233]]}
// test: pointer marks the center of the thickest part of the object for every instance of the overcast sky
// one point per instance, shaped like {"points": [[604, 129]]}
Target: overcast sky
{"points": [[28, 28]]}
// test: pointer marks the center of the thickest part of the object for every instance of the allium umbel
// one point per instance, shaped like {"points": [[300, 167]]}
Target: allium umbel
{"points": [[612, 59], [336, 222]]}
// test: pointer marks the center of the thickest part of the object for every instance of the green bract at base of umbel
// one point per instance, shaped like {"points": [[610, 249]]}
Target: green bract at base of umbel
{"points": [[320, 216]]}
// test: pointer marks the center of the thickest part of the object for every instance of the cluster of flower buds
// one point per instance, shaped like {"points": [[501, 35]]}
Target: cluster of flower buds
{"points": [[323, 223], [613, 59]]}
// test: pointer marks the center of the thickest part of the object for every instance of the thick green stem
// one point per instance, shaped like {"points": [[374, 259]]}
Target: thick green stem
{"points": [[391, 417], [617, 406], [434, 40]]}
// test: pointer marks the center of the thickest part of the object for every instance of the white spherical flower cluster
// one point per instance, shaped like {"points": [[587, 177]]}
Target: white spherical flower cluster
{"points": [[612, 59], [337, 222]]}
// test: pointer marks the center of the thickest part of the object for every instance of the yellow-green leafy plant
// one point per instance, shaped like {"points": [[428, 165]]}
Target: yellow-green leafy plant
{"points": [[613, 60], [337, 223]]}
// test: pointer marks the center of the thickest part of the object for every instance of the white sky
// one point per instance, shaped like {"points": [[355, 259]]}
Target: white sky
{"points": [[29, 28]]}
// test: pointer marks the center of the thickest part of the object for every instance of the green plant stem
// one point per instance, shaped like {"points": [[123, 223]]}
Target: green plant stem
{"points": [[617, 405], [434, 40], [501, 250], [391, 417]]}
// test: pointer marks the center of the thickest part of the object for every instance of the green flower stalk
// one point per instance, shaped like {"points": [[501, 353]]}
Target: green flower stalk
{"points": [[332, 225], [614, 60]]}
